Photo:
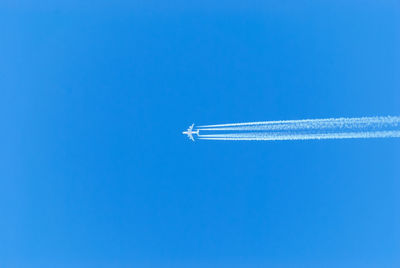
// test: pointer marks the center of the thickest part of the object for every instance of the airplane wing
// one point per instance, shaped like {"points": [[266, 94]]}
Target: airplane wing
{"points": [[191, 137], [191, 127]]}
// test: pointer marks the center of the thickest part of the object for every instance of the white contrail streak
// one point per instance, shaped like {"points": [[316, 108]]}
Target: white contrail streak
{"points": [[306, 129], [315, 136], [316, 122]]}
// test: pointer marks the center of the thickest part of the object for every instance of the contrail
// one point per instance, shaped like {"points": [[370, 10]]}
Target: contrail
{"points": [[366, 122], [313, 136], [338, 121], [306, 129]]}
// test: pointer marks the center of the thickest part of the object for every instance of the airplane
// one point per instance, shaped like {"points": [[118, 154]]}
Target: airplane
{"points": [[190, 132]]}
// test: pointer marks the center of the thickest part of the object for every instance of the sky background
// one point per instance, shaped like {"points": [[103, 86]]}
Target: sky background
{"points": [[94, 170]]}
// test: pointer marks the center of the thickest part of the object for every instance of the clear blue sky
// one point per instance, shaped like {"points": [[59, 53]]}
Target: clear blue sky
{"points": [[94, 170]]}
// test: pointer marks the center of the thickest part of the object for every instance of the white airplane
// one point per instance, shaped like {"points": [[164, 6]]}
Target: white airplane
{"points": [[190, 132]]}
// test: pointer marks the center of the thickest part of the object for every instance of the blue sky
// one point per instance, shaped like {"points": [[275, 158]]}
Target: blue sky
{"points": [[94, 169]]}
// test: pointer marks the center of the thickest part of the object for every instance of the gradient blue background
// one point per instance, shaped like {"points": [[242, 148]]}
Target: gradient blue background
{"points": [[94, 171]]}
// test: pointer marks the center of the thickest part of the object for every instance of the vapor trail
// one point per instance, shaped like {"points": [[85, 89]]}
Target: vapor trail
{"points": [[313, 136], [306, 129], [315, 122]]}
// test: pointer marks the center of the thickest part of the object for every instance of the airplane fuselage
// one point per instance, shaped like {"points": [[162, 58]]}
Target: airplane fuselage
{"points": [[191, 132]]}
